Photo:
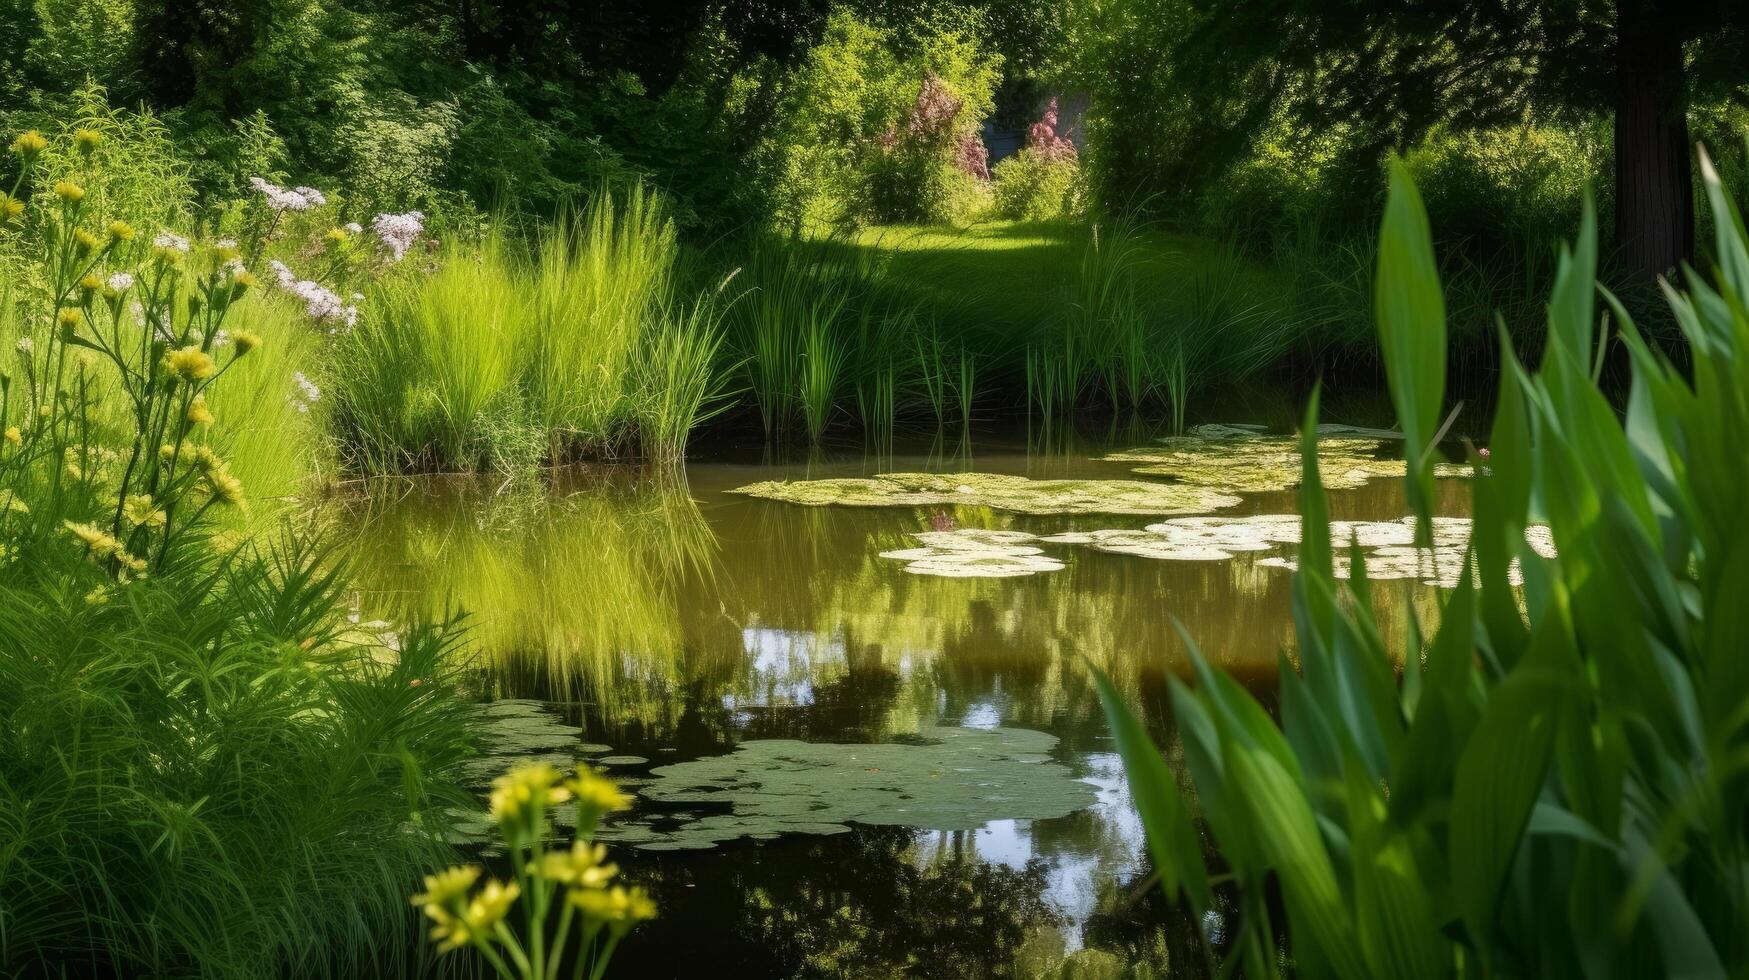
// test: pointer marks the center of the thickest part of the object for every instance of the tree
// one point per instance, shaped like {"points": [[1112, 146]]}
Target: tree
{"points": [[1394, 69]]}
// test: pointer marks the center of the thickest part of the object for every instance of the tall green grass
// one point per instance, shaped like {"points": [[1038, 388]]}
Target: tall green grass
{"points": [[207, 775], [1555, 785], [579, 343]]}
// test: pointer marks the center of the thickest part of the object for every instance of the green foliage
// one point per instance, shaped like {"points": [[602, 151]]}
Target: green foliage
{"points": [[1029, 187], [1551, 787], [203, 769], [856, 142], [202, 776], [505, 358]]}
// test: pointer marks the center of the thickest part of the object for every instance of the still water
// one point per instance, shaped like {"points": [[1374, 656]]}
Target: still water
{"points": [[671, 619]]}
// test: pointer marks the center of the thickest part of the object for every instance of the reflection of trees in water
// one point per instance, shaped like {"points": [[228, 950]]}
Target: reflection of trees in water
{"points": [[859, 905]]}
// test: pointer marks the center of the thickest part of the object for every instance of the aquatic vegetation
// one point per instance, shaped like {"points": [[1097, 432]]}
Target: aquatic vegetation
{"points": [[1388, 548], [944, 779], [1551, 788], [996, 491], [974, 554], [576, 881]]}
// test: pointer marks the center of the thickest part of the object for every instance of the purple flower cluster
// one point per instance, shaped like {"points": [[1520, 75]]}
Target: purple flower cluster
{"points": [[1042, 138], [398, 232], [321, 304], [935, 112], [972, 156], [296, 199]]}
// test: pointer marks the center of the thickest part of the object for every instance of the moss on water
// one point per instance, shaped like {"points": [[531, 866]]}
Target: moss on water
{"points": [[998, 492], [1242, 459]]}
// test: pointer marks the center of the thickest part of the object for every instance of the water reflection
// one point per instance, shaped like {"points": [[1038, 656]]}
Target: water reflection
{"points": [[675, 620]]}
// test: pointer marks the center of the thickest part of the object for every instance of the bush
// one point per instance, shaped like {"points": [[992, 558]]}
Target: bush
{"points": [[1555, 783], [881, 126], [1043, 181]]}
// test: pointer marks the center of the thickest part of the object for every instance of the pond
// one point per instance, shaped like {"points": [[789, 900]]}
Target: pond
{"points": [[855, 754]]}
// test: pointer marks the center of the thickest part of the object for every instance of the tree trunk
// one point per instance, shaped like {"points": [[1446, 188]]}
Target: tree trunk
{"points": [[1654, 188]]}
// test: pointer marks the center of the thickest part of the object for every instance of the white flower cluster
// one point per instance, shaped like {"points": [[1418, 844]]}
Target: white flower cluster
{"points": [[296, 199], [306, 395], [26, 346], [398, 232], [121, 282], [175, 243], [320, 303]]}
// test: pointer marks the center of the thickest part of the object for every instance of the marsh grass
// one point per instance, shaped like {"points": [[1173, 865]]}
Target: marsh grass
{"points": [[579, 343]]}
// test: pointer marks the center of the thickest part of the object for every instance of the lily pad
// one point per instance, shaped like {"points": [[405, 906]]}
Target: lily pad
{"points": [[621, 760], [1390, 551], [957, 779], [974, 553], [999, 492]]}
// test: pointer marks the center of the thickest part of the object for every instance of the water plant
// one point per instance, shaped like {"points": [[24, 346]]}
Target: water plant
{"points": [[1551, 788]]}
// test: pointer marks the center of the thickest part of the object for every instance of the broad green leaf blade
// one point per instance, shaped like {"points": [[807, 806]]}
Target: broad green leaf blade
{"points": [[1410, 310], [1172, 837]]}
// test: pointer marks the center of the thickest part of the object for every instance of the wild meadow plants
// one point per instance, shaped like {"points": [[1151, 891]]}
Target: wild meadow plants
{"points": [[572, 884], [1555, 784], [204, 768]]}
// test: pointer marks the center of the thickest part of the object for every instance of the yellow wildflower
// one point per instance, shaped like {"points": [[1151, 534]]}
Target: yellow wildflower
{"points": [[246, 341], [29, 144], [14, 436], [85, 241], [596, 793], [225, 488], [446, 886], [198, 413], [337, 235], [583, 866], [97, 596], [203, 458], [521, 790], [91, 283], [16, 506], [227, 251], [69, 192], [86, 140], [11, 208], [620, 906], [96, 540], [131, 562], [241, 280], [489, 907], [121, 231], [189, 363], [140, 510]]}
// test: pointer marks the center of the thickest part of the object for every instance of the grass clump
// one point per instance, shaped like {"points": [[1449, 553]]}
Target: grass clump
{"points": [[507, 356]]}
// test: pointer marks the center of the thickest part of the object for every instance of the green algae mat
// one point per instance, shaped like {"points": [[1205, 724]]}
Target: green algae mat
{"points": [[1015, 494], [941, 779]]}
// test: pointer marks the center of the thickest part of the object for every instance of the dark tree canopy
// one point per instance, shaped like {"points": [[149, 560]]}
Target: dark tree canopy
{"points": [[1393, 70]]}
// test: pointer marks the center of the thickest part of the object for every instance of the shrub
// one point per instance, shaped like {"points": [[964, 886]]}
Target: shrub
{"points": [[1554, 785], [880, 126], [1043, 181]]}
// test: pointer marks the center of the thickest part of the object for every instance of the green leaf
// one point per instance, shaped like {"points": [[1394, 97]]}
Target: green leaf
{"points": [[1172, 837], [1410, 310]]}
